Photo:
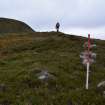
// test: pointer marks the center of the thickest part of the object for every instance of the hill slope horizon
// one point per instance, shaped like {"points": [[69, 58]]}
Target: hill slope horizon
{"points": [[13, 26]]}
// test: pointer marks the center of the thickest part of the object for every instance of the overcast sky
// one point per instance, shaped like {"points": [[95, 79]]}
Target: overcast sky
{"points": [[75, 16]]}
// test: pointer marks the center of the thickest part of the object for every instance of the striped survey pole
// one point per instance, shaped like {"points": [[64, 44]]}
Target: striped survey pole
{"points": [[88, 64], [88, 57]]}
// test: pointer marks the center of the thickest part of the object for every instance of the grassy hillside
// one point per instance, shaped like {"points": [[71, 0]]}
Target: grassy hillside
{"points": [[13, 26], [23, 55]]}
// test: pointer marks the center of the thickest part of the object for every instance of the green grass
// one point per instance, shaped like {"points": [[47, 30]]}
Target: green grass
{"points": [[21, 55]]}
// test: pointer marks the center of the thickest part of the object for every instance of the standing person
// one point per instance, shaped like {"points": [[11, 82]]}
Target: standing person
{"points": [[57, 26]]}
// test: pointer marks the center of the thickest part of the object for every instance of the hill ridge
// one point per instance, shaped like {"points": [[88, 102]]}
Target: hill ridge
{"points": [[13, 26]]}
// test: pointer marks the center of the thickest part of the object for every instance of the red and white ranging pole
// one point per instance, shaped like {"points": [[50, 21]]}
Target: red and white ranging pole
{"points": [[88, 64], [88, 58]]}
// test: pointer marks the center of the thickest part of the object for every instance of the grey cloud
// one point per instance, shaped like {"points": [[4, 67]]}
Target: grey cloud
{"points": [[71, 13]]}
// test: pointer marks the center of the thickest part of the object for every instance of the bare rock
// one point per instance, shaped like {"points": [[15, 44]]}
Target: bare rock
{"points": [[45, 75], [101, 88], [101, 85]]}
